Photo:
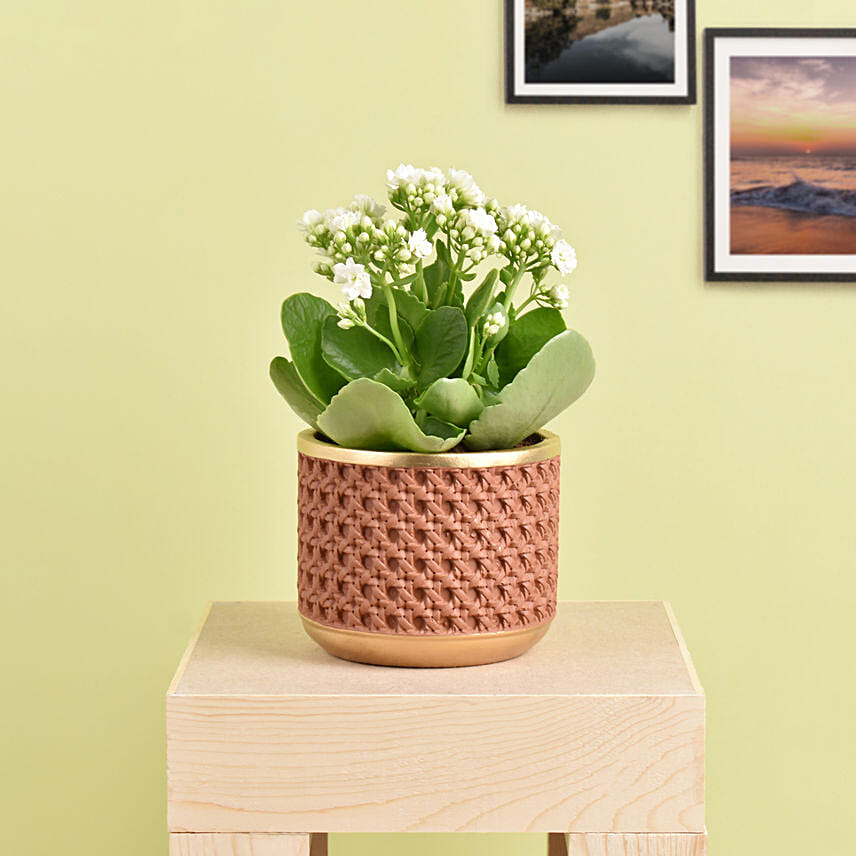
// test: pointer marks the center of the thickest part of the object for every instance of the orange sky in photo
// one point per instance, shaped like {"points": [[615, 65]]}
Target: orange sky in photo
{"points": [[790, 105]]}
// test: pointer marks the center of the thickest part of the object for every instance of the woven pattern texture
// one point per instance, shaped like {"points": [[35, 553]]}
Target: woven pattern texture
{"points": [[427, 550]]}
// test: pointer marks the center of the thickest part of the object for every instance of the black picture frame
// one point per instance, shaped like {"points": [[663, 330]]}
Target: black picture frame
{"points": [[512, 97], [711, 34]]}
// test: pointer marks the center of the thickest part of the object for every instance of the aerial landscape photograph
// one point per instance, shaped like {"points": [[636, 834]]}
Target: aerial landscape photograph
{"points": [[600, 41]]}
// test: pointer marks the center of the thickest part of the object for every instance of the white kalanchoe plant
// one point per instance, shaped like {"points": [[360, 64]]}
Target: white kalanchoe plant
{"points": [[407, 362]]}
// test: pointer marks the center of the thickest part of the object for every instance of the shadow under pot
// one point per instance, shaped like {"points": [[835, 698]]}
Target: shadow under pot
{"points": [[407, 559]]}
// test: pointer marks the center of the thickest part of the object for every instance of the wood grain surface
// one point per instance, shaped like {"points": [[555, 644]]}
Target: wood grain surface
{"points": [[628, 844], [246, 844], [539, 744]]}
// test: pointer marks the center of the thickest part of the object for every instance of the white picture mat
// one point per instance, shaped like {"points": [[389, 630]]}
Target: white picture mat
{"points": [[660, 90], [724, 49]]}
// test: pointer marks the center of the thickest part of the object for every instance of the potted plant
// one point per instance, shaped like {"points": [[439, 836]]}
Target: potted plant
{"points": [[428, 490]]}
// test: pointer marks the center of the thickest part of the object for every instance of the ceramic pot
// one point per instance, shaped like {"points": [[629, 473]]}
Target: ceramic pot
{"points": [[407, 559]]}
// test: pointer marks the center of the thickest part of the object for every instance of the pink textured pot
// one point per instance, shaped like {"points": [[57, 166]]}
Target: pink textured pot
{"points": [[407, 559]]}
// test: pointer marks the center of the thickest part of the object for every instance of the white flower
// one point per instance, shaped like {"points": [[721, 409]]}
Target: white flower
{"points": [[518, 211], [365, 204], [559, 295], [564, 257], [419, 244], [443, 204], [345, 323], [353, 278], [344, 220], [541, 223], [465, 187], [405, 173], [481, 221], [493, 323], [310, 220]]}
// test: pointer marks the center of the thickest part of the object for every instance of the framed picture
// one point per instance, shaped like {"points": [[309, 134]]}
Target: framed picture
{"points": [[780, 154], [600, 51]]}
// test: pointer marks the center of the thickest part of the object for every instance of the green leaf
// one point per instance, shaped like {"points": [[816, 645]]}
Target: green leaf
{"points": [[303, 317], [394, 380], [440, 344], [452, 400], [366, 414], [526, 336], [554, 379], [440, 428], [355, 352], [480, 299], [409, 307], [492, 372], [301, 400], [383, 326], [436, 278]]}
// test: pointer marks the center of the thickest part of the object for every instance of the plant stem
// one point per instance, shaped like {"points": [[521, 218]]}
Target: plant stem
{"points": [[383, 339], [526, 302], [420, 289], [509, 292], [404, 280], [393, 323], [453, 279], [477, 362]]}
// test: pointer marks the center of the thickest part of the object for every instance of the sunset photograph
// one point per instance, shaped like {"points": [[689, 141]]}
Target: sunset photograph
{"points": [[792, 155]]}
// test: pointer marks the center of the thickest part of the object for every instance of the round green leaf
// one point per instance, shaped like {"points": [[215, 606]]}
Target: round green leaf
{"points": [[554, 379], [303, 317], [394, 380], [301, 400], [526, 336], [366, 414], [440, 344], [355, 352], [452, 400]]}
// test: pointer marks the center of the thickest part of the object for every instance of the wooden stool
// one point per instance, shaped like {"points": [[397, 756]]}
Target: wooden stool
{"points": [[596, 737]]}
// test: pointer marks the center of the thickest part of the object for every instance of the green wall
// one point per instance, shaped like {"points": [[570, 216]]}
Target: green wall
{"points": [[154, 158]]}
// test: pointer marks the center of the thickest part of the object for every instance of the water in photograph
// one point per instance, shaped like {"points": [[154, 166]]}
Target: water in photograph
{"points": [[600, 41], [793, 204]]}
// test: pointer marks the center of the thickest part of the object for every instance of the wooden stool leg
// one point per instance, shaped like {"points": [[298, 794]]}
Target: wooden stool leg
{"points": [[247, 844], [557, 844], [627, 844]]}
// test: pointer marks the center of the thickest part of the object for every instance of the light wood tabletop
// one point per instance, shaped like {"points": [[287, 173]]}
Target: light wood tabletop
{"points": [[597, 732]]}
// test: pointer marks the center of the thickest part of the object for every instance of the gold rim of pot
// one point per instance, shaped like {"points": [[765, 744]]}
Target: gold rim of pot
{"points": [[310, 443], [424, 651]]}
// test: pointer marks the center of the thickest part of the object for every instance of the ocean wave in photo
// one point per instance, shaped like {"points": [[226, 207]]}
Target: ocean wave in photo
{"points": [[799, 195]]}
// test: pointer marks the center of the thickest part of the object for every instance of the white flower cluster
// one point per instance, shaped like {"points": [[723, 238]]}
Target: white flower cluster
{"points": [[395, 248], [340, 233], [358, 243], [463, 190], [493, 323], [528, 237], [559, 295], [354, 279], [471, 231], [351, 314], [412, 189], [416, 191], [361, 248]]}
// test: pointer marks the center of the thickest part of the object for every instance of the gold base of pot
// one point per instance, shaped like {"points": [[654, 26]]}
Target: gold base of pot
{"points": [[423, 652]]}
